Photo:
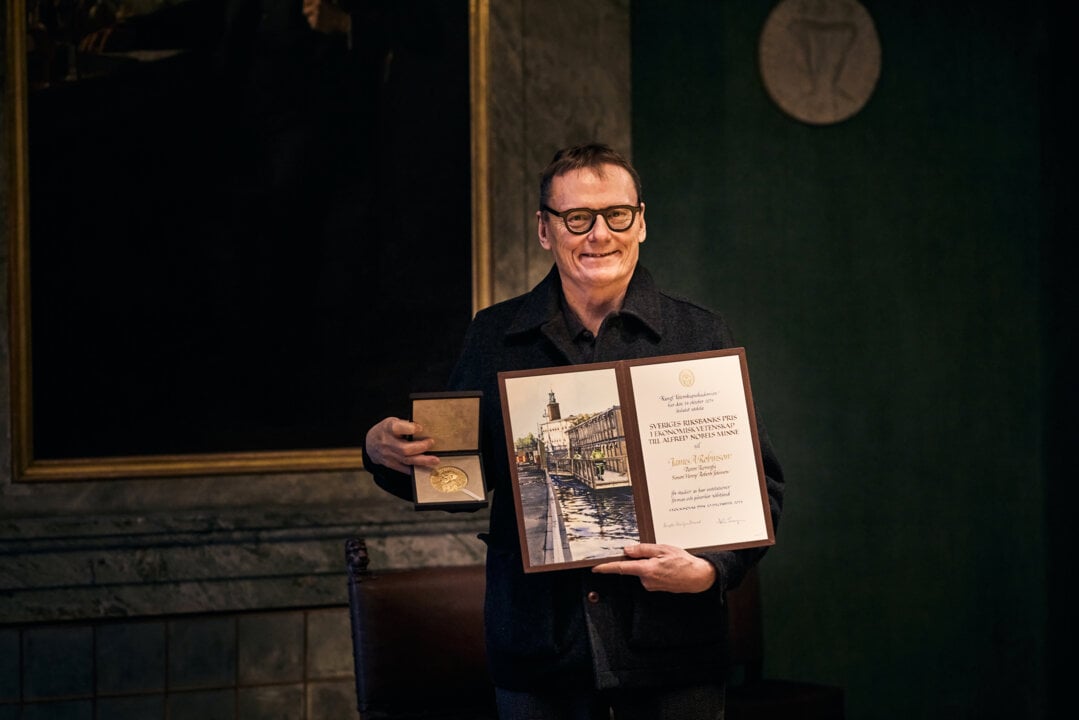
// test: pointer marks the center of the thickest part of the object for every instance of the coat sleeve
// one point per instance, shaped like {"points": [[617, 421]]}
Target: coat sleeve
{"points": [[400, 484], [391, 481]]}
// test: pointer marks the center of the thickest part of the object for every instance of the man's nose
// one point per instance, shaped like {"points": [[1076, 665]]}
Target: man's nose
{"points": [[600, 229]]}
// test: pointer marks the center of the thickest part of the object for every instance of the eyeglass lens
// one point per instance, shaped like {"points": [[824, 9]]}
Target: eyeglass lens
{"points": [[618, 218]]}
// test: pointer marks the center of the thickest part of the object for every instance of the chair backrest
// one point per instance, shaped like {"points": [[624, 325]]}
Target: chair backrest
{"points": [[417, 640]]}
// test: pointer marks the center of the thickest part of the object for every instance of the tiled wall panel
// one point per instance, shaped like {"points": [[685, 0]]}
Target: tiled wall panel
{"points": [[287, 665]]}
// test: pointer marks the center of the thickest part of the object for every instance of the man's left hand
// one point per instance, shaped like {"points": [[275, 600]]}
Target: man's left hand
{"points": [[663, 567]]}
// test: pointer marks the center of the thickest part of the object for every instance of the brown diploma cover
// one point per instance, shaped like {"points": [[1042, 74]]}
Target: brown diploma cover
{"points": [[668, 446]]}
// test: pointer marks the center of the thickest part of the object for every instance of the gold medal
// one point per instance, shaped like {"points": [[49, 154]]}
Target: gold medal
{"points": [[447, 479]]}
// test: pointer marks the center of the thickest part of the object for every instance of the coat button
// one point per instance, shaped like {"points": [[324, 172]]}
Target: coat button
{"points": [[593, 597]]}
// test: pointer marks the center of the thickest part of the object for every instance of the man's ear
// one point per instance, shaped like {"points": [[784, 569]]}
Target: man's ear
{"points": [[542, 230]]}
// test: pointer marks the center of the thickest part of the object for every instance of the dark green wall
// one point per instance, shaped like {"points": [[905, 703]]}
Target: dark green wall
{"points": [[885, 275]]}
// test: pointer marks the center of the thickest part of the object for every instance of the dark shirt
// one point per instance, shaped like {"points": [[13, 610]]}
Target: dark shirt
{"points": [[584, 342]]}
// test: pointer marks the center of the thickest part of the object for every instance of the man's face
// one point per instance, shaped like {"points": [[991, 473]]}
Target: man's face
{"points": [[601, 258]]}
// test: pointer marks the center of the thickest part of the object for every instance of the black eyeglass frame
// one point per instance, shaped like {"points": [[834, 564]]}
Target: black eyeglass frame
{"points": [[633, 209]]}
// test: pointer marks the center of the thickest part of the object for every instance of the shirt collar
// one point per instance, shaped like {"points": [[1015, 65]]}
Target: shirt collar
{"points": [[544, 303], [573, 323]]}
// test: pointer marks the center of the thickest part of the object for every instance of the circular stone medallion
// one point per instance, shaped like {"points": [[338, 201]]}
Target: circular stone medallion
{"points": [[819, 59]]}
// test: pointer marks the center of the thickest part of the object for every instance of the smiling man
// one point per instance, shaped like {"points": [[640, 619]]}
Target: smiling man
{"points": [[644, 637], [594, 238]]}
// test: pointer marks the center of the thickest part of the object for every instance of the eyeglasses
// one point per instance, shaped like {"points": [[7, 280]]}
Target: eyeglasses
{"points": [[580, 220]]}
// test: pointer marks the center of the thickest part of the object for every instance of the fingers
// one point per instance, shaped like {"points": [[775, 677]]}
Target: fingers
{"points": [[633, 566], [326, 18], [95, 42], [645, 550], [389, 444], [642, 551], [311, 10], [662, 567], [620, 567], [401, 428]]}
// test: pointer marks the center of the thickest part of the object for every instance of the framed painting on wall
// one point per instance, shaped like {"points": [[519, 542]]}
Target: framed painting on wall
{"points": [[238, 238]]}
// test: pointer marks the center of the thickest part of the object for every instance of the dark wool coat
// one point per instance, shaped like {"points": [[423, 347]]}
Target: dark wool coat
{"points": [[573, 629]]}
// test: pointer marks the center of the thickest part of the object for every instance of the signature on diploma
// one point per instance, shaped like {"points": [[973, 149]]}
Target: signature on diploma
{"points": [[681, 523], [729, 520]]}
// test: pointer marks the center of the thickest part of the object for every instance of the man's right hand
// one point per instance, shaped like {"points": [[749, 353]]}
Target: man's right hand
{"points": [[388, 444], [326, 18], [112, 38]]}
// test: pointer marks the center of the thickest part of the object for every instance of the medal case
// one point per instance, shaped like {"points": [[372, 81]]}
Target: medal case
{"points": [[453, 420]]}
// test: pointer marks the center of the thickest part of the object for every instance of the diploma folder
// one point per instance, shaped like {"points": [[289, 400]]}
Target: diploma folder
{"points": [[655, 450]]}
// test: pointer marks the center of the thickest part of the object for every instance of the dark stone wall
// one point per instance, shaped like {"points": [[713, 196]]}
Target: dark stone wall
{"points": [[173, 566], [87, 548]]}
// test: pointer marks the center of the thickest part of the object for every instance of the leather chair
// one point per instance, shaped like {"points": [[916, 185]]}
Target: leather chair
{"points": [[417, 641]]}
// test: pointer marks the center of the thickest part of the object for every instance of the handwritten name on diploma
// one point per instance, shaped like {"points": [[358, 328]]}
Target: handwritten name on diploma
{"points": [[698, 459]]}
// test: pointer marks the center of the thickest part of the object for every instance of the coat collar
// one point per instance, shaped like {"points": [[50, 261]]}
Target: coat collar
{"points": [[543, 304]]}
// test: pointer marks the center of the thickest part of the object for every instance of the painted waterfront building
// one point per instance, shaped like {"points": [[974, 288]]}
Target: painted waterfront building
{"points": [[602, 432]]}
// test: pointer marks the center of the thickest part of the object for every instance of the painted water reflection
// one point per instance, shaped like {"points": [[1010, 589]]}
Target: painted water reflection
{"points": [[598, 523]]}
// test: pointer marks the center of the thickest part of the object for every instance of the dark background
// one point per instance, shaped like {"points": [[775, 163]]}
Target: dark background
{"points": [[901, 283], [232, 251]]}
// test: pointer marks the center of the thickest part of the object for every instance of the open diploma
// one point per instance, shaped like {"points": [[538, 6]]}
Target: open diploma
{"points": [[678, 439], [700, 452]]}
